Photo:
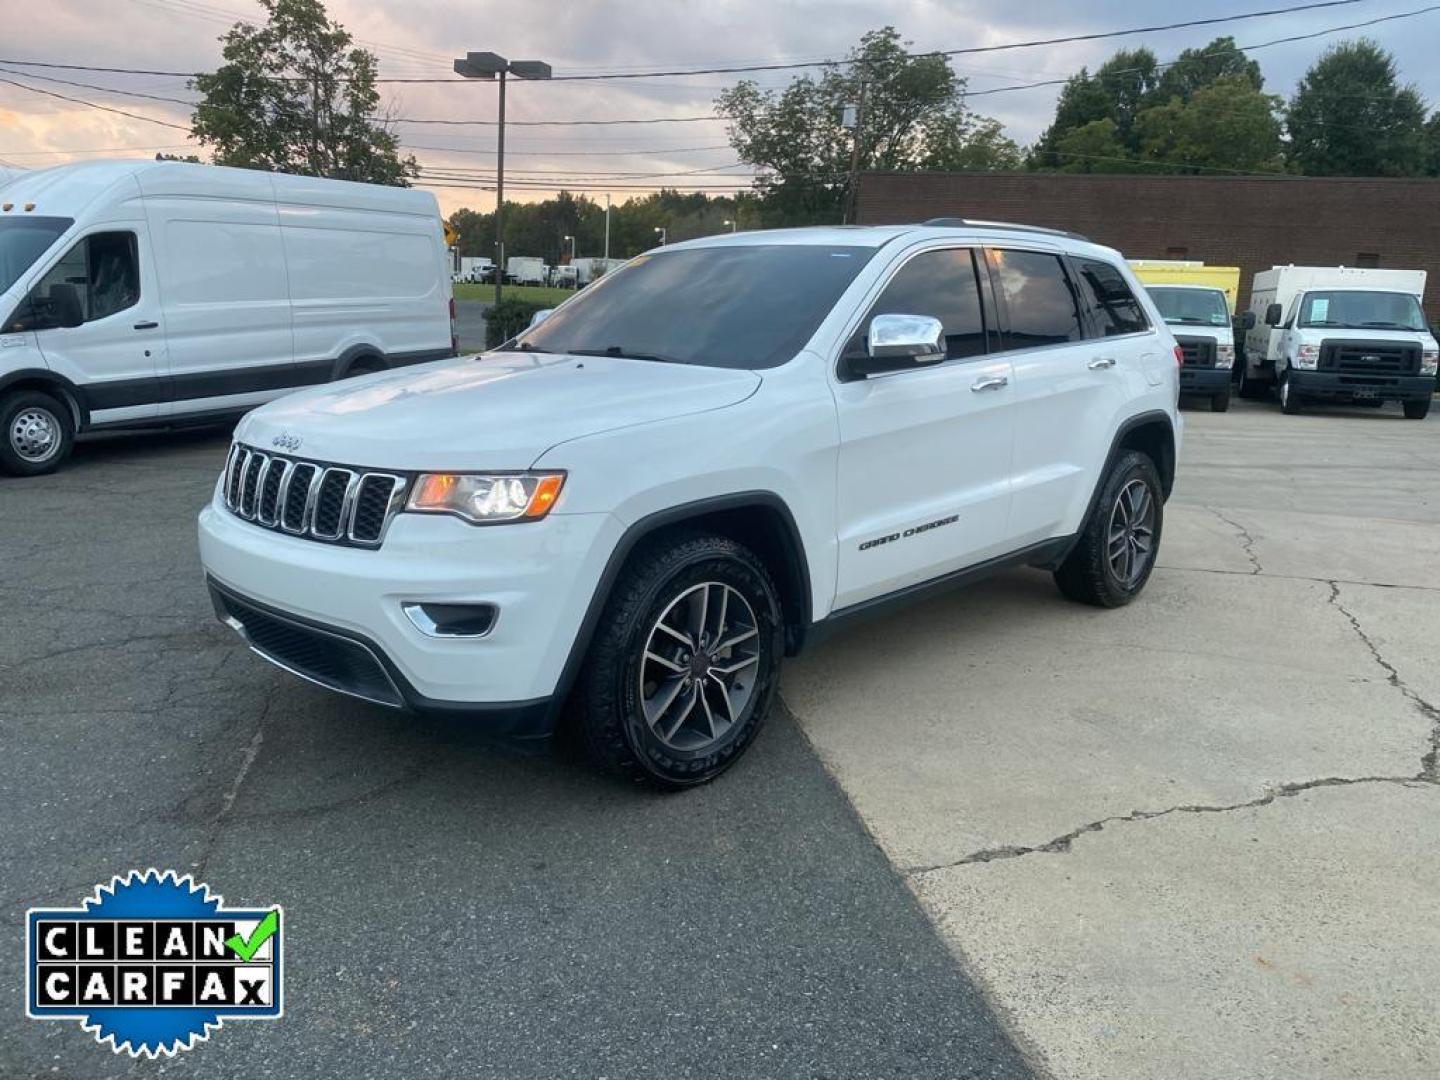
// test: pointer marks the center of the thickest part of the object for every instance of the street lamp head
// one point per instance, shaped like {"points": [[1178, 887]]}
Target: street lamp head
{"points": [[480, 65], [530, 69]]}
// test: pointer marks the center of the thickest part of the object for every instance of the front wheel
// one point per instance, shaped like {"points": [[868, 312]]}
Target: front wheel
{"points": [[1113, 558], [36, 433], [1289, 397], [684, 664], [1416, 410], [1251, 388], [1220, 402]]}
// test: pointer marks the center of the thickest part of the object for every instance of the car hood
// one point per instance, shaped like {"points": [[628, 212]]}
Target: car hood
{"points": [[493, 411]]}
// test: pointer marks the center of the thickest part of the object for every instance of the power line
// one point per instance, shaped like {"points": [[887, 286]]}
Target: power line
{"points": [[655, 151], [551, 123], [793, 66], [93, 105]]}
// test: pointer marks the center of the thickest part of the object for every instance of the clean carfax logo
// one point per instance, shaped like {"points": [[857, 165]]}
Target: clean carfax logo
{"points": [[152, 962]]}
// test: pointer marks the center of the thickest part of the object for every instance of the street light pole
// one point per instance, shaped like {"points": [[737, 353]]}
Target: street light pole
{"points": [[607, 230], [489, 65], [660, 229]]}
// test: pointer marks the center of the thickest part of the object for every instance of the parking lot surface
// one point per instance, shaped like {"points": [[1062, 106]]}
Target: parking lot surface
{"points": [[1196, 836], [453, 908]]}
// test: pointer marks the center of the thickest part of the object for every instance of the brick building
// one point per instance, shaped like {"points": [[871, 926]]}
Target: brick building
{"points": [[1254, 222]]}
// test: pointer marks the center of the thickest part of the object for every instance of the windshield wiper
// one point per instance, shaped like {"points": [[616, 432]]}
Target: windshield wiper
{"points": [[623, 354], [1187, 321], [525, 346], [1389, 326]]}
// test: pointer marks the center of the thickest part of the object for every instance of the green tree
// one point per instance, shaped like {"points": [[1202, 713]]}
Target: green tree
{"points": [[474, 233], [1092, 148], [1432, 145], [1195, 69], [1351, 117], [1120, 88], [914, 117], [1226, 124], [294, 96]]}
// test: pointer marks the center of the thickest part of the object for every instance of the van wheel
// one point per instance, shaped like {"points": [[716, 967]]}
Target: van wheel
{"points": [[1220, 402], [1112, 560], [1289, 398], [1416, 410], [685, 661], [38, 433], [1251, 389], [365, 365]]}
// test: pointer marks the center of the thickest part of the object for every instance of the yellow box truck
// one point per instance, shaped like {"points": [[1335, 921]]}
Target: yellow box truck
{"points": [[1197, 303]]}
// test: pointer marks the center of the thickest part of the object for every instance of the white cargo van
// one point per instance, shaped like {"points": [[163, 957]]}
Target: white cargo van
{"points": [[142, 293], [1345, 334]]}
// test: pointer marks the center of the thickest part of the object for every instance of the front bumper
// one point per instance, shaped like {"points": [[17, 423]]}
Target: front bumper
{"points": [[334, 614], [1204, 380], [1335, 386]]}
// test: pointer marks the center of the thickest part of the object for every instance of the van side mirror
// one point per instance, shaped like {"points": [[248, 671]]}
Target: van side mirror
{"points": [[59, 309], [1273, 315], [896, 342], [1247, 321], [539, 317]]}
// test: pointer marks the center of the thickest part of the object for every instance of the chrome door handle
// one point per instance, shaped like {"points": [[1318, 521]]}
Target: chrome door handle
{"points": [[990, 382], [1103, 362]]}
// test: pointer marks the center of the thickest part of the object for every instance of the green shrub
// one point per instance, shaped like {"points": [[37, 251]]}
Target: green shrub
{"points": [[507, 318]]}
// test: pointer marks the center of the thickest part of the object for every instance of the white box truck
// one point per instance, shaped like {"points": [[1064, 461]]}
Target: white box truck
{"points": [[526, 270], [146, 293], [473, 270], [1348, 334], [1197, 303]]}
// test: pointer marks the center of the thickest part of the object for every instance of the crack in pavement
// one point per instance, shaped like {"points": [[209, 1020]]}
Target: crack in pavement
{"points": [[1246, 540], [1428, 774], [1061, 844], [1294, 577]]}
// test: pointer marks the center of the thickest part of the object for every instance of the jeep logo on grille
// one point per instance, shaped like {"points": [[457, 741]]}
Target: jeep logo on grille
{"points": [[286, 441]]}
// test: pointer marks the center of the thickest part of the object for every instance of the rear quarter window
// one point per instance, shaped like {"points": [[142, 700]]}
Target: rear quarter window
{"points": [[1113, 308]]}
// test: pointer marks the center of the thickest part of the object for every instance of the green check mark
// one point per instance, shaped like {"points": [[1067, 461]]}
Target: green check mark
{"points": [[245, 949]]}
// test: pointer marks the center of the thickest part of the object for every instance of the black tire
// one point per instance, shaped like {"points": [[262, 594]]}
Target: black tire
{"points": [[1416, 410], [1252, 389], [1087, 574], [610, 699], [1290, 403], [364, 365], [1220, 402], [36, 433]]}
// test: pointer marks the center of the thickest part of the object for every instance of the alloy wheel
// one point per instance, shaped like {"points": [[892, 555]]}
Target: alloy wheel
{"points": [[35, 435], [699, 668], [1132, 532]]}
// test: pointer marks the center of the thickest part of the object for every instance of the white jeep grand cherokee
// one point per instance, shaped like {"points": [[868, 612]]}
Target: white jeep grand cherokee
{"points": [[717, 452]]}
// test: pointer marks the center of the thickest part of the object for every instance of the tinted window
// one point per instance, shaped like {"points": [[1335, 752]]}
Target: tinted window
{"points": [[1190, 307], [103, 271], [22, 241], [1038, 300], [751, 306], [943, 285], [1112, 305]]}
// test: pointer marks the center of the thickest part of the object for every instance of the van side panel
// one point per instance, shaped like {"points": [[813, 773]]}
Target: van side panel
{"points": [[222, 278]]}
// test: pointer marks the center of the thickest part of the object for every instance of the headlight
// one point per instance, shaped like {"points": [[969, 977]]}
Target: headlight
{"points": [[1428, 358], [1307, 357], [1225, 356], [487, 500]]}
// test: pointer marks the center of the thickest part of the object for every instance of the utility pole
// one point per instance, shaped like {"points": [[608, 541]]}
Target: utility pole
{"points": [[852, 193], [489, 65], [607, 230]]}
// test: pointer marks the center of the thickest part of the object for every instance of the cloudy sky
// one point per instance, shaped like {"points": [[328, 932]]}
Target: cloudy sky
{"points": [[418, 38]]}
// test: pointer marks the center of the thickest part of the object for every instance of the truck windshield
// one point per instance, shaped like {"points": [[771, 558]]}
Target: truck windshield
{"points": [[23, 240], [1355, 309], [751, 306], [1190, 307]]}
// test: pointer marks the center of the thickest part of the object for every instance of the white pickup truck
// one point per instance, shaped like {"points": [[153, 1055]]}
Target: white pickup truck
{"points": [[725, 447], [1348, 334]]}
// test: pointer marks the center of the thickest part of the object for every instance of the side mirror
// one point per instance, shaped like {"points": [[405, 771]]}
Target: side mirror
{"points": [[1247, 321], [539, 317], [1273, 315], [896, 342]]}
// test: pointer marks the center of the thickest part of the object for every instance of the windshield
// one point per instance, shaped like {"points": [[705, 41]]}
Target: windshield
{"points": [[1191, 307], [22, 241], [735, 307], [1360, 310]]}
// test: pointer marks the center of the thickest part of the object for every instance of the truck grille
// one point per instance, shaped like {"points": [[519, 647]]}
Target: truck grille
{"points": [[1370, 357], [315, 500], [1197, 352]]}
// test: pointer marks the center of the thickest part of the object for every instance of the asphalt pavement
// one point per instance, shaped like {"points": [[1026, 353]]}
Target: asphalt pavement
{"points": [[453, 906]]}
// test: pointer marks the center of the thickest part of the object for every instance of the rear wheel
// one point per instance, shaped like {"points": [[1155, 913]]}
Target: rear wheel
{"points": [[1251, 388], [1220, 402], [683, 668], [37, 433], [1113, 558], [1416, 410], [1289, 397], [364, 365]]}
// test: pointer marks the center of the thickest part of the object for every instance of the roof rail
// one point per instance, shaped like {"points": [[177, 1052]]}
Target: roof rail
{"points": [[970, 223]]}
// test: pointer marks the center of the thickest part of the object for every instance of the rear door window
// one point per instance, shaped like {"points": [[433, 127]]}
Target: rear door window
{"points": [[943, 285], [1040, 303], [1113, 307]]}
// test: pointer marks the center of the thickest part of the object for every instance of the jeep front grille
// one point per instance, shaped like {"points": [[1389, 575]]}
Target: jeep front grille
{"points": [[334, 504]]}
